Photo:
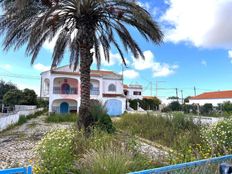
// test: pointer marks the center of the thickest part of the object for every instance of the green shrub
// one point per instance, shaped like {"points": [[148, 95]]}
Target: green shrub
{"points": [[206, 109], [57, 118], [55, 153], [101, 118], [22, 120], [134, 104]]}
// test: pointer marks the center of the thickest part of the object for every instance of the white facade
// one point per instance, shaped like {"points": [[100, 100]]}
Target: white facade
{"points": [[61, 86], [133, 92], [214, 102]]}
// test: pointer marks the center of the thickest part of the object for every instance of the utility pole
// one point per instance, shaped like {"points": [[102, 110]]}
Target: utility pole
{"points": [[156, 89], [176, 94], [182, 98], [151, 87], [195, 93]]}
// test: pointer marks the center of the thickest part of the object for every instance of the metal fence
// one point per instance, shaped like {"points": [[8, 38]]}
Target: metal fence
{"points": [[22, 170], [208, 166]]}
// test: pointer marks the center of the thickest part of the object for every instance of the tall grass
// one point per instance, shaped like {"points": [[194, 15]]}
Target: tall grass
{"points": [[57, 118], [167, 131]]}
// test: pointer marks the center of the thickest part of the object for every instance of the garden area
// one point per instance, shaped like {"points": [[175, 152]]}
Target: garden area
{"points": [[114, 147]]}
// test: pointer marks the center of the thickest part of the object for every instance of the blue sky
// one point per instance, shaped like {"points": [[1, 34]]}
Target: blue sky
{"points": [[197, 51]]}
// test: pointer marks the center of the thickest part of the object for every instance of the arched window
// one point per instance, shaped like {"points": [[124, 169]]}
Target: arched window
{"points": [[91, 86], [112, 87]]}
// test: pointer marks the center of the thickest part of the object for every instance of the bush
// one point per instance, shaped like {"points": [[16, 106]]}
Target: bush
{"points": [[55, 153], [22, 120], [134, 104], [206, 109], [58, 118], [218, 138], [101, 118], [41, 103]]}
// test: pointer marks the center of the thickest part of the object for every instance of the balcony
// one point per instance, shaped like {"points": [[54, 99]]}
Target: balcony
{"points": [[58, 90], [94, 91]]}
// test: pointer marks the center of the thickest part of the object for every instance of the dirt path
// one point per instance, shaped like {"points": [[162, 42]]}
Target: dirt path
{"points": [[17, 144]]}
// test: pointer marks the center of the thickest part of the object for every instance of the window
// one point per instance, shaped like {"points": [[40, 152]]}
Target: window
{"points": [[137, 93], [112, 87], [91, 86]]}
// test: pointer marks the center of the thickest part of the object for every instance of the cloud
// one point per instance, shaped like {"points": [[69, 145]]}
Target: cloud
{"points": [[203, 62], [142, 64], [163, 70], [203, 23], [6, 67], [130, 74], [115, 58], [230, 55], [41, 67], [158, 69]]}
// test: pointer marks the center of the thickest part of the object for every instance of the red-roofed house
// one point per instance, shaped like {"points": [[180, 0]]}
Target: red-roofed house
{"points": [[61, 86], [214, 98]]}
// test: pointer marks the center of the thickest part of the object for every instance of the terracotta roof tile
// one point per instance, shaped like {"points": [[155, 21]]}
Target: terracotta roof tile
{"points": [[148, 97], [125, 86], [213, 95]]}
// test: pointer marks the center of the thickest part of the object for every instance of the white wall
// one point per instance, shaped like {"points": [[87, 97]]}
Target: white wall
{"points": [[24, 107], [6, 121], [131, 95], [214, 102], [118, 83]]}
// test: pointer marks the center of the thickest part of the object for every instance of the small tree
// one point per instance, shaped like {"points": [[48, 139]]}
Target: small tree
{"points": [[12, 97], [206, 109], [175, 106], [227, 107], [29, 97]]}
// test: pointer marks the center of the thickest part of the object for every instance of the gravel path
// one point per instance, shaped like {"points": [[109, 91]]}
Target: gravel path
{"points": [[17, 144]]}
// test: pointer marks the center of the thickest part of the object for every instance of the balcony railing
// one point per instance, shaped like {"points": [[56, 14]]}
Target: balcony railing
{"points": [[58, 90], [94, 91]]}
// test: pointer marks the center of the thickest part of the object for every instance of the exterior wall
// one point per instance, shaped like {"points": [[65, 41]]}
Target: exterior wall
{"points": [[117, 83], [214, 102], [6, 121], [130, 94], [55, 106], [24, 107], [98, 82]]}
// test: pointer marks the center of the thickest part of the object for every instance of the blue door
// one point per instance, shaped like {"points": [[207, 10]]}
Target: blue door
{"points": [[114, 107], [64, 107]]}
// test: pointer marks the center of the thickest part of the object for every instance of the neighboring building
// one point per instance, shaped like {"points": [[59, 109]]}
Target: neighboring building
{"points": [[61, 86], [133, 91], [214, 98]]}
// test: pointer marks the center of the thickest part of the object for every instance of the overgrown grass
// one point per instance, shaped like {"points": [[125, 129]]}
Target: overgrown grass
{"points": [[58, 118], [168, 131], [69, 151]]}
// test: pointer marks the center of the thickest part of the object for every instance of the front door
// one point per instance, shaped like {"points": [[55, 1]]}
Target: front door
{"points": [[64, 107]]}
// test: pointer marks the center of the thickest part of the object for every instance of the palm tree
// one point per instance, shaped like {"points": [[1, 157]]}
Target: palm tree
{"points": [[81, 26]]}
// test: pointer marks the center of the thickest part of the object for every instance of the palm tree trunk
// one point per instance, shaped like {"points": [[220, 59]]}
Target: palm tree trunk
{"points": [[86, 59]]}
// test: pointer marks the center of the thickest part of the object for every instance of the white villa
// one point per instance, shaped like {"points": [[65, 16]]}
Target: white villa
{"points": [[214, 98], [61, 86]]}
